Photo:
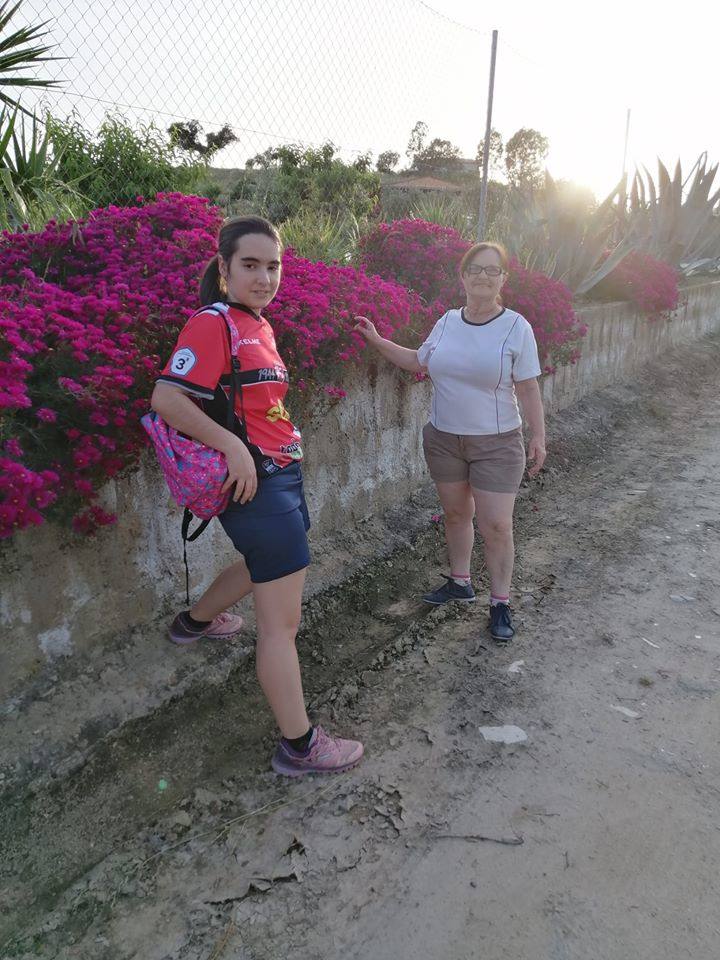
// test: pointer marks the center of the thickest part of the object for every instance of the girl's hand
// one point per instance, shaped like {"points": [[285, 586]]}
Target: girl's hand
{"points": [[366, 328], [241, 471], [536, 453]]}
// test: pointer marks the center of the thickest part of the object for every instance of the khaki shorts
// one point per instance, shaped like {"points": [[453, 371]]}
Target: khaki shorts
{"points": [[494, 463]]}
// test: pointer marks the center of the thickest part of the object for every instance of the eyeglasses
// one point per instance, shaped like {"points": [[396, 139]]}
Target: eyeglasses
{"points": [[474, 270]]}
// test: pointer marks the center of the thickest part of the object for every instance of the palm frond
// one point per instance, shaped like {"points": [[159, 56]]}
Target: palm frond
{"points": [[19, 52]]}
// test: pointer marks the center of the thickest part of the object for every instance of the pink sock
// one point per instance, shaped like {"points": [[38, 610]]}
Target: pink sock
{"points": [[462, 578], [494, 600]]}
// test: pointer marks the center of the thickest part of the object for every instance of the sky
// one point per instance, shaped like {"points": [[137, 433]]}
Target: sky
{"points": [[572, 70], [362, 72]]}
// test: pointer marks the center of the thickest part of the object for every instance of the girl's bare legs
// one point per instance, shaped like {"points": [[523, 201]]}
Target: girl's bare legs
{"points": [[228, 587], [458, 508], [277, 611], [494, 518]]}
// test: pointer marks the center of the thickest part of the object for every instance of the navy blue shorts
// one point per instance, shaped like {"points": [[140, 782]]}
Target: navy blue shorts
{"points": [[271, 530]]}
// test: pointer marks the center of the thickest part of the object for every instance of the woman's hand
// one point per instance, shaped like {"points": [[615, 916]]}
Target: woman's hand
{"points": [[241, 471], [366, 328], [536, 453]]}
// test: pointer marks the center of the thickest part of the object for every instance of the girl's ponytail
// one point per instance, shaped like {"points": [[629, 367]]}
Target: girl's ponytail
{"points": [[210, 291]]}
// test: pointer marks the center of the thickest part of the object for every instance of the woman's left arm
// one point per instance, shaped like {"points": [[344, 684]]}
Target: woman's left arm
{"points": [[528, 393]]}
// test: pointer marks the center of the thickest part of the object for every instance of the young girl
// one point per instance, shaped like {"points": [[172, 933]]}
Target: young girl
{"points": [[267, 517]]}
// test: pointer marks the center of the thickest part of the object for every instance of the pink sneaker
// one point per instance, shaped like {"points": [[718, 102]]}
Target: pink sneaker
{"points": [[326, 755], [224, 625]]}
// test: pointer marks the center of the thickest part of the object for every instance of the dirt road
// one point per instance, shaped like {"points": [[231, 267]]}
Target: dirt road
{"points": [[595, 839]]}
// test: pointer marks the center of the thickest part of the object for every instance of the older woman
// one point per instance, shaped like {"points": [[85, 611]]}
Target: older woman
{"points": [[481, 359]]}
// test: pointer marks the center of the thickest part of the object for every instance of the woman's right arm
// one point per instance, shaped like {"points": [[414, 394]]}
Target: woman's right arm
{"points": [[402, 357], [179, 411]]}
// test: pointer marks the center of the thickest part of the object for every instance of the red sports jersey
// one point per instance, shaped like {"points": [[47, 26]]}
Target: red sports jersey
{"points": [[200, 364]]}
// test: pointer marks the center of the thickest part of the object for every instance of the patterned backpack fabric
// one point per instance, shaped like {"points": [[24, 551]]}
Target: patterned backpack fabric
{"points": [[194, 472]]}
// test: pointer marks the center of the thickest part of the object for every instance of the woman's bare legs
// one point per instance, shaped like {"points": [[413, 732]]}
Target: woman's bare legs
{"points": [[494, 518], [458, 507]]}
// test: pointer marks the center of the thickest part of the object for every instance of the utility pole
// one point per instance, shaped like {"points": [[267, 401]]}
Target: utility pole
{"points": [[627, 134], [486, 151]]}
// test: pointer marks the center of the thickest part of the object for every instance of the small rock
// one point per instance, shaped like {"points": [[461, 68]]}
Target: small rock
{"points": [[181, 819], [626, 712], [506, 734]]}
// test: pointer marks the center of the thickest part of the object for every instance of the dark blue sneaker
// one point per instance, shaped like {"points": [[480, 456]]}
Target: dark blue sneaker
{"points": [[500, 623], [450, 591]]}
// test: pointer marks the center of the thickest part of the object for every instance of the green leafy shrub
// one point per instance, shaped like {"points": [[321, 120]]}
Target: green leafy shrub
{"points": [[120, 162], [315, 179]]}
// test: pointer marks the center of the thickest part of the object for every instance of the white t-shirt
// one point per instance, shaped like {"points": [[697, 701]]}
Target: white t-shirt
{"points": [[473, 367]]}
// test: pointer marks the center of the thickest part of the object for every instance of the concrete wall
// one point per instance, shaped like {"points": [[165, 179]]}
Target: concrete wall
{"points": [[62, 595], [620, 340]]}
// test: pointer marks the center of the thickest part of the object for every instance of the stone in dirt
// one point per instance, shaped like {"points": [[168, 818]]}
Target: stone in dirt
{"points": [[627, 712], [506, 734]]}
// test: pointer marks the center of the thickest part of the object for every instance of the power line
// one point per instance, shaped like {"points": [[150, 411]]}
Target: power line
{"points": [[203, 120], [455, 23]]}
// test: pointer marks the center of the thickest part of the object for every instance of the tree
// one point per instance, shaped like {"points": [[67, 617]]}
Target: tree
{"points": [[438, 158], [386, 161], [186, 136], [316, 180], [525, 153], [18, 54], [496, 152], [417, 139], [286, 156], [363, 162]]}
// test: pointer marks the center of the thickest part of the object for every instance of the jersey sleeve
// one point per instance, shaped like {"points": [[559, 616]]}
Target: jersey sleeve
{"points": [[526, 363], [426, 349], [200, 357]]}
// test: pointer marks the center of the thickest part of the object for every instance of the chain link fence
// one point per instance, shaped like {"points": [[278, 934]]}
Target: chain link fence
{"points": [[357, 73]]}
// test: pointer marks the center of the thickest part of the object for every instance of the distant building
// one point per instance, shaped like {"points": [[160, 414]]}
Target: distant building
{"points": [[469, 166]]}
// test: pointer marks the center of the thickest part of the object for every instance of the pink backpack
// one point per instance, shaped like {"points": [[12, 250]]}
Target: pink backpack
{"points": [[194, 472]]}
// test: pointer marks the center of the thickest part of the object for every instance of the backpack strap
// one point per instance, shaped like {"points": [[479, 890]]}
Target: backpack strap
{"points": [[188, 537], [221, 309]]}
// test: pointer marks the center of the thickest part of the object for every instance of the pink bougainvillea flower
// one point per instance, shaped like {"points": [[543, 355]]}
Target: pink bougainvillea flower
{"points": [[89, 313], [46, 415], [651, 284]]}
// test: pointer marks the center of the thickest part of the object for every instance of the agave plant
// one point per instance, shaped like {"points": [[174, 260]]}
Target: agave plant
{"points": [[547, 236], [446, 211], [19, 52], [30, 189], [677, 220], [319, 236]]}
